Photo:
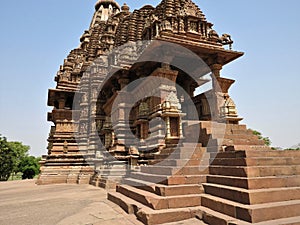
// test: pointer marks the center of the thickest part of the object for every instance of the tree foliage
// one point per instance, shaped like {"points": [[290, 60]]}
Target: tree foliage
{"points": [[29, 166], [14, 158], [260, 137], [298, 149], [20, 152], [7, 159]]}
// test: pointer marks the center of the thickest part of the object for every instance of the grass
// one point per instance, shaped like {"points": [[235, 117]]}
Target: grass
{"points": [[17, 176]]}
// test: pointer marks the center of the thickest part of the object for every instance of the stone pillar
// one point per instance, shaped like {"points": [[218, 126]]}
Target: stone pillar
{"points": [[120, 123], [84, 121], [227, 107], [107, 131], [216, 69], [168, 127], [95, 148], [180, 127], [217, 96]]}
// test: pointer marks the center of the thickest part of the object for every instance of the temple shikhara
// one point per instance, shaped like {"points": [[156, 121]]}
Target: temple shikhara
{"points": [[141, 108]]}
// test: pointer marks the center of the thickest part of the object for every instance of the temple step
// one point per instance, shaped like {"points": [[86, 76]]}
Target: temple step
{"points": [[256, 196], [182, 162], [159, 202], [258, 171], [256, 182], [186, 170], [184, 153], [149, 216], [252, 213], [273, 153], [184, 156], [213, 217], [256, 161], [170, 180], [255, 153], [165, 190]]}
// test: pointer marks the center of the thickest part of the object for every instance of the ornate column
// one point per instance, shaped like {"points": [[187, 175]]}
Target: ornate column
{"points": [[168, 127], [217, 96], [119, 115], [223, 107], [95, 148], [84, 125], [216, 69], [228, 109]]}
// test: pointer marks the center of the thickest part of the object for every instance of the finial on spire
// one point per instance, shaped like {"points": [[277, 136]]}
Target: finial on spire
{"points": [[106, 3], [105, 9], [125, 8]]}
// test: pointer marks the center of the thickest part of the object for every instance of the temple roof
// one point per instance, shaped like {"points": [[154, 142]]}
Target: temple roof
{"points": [[178, 21], [178, 8]]}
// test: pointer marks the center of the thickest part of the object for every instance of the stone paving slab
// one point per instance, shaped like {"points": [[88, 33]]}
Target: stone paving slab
{"points": [[24, 203]]}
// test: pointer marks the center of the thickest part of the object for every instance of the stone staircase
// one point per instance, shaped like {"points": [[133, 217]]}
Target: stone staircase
{"points": [[222, 134], [168, 191], [253, 187], [240, 187], [109, 174]]}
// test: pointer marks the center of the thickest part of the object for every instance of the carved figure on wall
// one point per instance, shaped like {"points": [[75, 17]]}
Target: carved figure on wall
{"points": [[84, 112], [193, 26], [166, 25], [84, 97], [175, 25], [94, 126], [181, 25], [94, 109], [83, 128], [95, 93], [65, 148]]}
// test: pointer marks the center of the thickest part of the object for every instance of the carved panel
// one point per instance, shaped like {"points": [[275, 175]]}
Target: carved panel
{"points": [[174, 126]]}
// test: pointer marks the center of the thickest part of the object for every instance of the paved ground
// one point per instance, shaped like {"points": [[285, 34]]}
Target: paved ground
{"points": [[24, 203]]}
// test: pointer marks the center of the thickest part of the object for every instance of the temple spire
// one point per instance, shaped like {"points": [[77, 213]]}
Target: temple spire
{"points": [[104, 9]]}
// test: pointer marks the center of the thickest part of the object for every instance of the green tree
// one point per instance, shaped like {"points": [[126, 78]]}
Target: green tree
{"points": [[21, 152], [14, 158], [29, 166], [260, 137], [7, 159]]}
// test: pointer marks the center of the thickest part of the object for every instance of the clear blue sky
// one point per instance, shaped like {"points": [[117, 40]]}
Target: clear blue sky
{"points": [[37, 35]]}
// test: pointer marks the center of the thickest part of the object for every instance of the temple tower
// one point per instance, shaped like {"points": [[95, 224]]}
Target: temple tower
{"points": [[143, 139], [66, 160]]}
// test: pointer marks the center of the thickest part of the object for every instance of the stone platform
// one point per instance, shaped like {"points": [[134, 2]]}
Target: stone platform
{"points": [[239, 187]]}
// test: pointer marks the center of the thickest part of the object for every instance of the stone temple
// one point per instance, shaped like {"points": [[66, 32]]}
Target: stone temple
{"points": [[141, 108]]}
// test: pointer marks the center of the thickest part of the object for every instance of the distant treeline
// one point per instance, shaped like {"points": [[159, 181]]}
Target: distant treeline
{"points": [[15, 160]]}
